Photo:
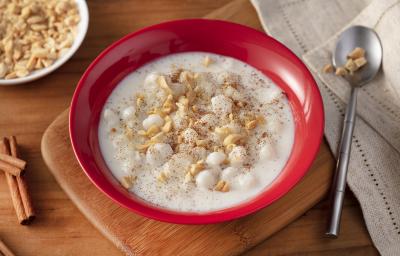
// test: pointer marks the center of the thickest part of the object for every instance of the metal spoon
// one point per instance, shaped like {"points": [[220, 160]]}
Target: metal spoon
{"points": [[366, 38]]}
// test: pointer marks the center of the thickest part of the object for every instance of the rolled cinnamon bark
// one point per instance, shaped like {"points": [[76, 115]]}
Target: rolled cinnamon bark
{"points": [[4, 250], [21, 164], [13, 187], [22, 185], [9, 168]]}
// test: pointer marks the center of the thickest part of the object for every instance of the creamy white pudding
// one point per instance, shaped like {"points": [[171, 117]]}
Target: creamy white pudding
{"points": [[196, 132]]}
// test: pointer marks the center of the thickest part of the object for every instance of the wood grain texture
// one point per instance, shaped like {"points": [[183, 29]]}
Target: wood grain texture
{"points": [[27, 110], [4, 250]]}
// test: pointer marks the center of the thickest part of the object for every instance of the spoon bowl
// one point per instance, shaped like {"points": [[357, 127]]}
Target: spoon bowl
{"points": [[366, 38]]}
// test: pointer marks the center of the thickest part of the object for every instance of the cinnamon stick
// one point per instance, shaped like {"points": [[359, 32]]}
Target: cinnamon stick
{"points": [[21, 164], [13, 187], [22, 184], [11, 169], [4, 250]]}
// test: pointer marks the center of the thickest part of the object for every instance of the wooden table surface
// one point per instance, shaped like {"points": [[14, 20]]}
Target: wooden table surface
{"points": [[60, 229]]}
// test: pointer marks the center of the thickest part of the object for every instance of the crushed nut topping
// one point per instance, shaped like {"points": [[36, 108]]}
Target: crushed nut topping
{"points": [[222, 186], [207, 61], [196, 168], [139, 100], [34, 34], [196, 135], [358, 52], [128, 181], [162, 177], [355, 60], [340, 71], [233, 139]]}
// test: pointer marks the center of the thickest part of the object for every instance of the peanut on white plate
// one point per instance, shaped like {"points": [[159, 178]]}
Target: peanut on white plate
{"points": [[36, 37]]}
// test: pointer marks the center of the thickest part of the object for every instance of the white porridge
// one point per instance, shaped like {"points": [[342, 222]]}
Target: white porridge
{"points": [[196, 132]]}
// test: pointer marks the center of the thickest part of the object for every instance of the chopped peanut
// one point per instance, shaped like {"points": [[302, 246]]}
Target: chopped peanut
{"points": [[182, 104], [229, 147], [164, 85], [127, 181], [222, 186], [355, 61], [340, 71], [207, 61], [162, 177], [158, 137], [358, 52], [328, 68], [180, 139], [34, 34], [144, 147], [222, 131], [360, 62], [191, 122], [152, 130], [201, 143], [260, 119], [196, 168], [142, 133], [188, 177], [240, 104], [139, 100], [169, 102], [350, 65], [251, 124], [232, 139], [167, 127]]}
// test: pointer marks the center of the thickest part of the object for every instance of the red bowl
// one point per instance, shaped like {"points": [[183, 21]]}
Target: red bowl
{"points": [[229, 39]]}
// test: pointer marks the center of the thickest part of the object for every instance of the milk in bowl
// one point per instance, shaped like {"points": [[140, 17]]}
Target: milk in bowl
{"points": [[196, 132]]}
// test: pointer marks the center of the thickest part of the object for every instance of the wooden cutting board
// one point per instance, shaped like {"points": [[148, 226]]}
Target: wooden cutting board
{"points": [[134, 234]]}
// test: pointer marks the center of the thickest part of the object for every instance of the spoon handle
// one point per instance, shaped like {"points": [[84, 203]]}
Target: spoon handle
{"points": [[339, 182]]}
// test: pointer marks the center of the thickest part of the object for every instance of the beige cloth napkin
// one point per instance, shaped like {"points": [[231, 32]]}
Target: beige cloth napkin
{"points": [[374, 170]]}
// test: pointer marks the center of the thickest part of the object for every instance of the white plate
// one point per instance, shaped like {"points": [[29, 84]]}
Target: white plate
{"points": [[82, 29]]}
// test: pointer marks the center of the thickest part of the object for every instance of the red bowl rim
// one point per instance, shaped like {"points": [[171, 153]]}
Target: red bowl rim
{"points": [[215, 216]]}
